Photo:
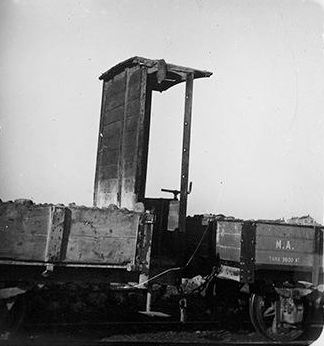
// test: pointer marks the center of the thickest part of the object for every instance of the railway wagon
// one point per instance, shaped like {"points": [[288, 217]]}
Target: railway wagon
{"points": [[278, 265], [128, 237]]}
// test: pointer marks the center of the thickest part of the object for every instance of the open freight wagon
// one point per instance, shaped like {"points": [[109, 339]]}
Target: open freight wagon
{"points": [[279, 266], [126, 237]]}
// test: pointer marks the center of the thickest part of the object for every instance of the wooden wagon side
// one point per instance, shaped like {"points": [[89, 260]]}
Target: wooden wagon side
{"points": [[49, 242], [247, 248]]}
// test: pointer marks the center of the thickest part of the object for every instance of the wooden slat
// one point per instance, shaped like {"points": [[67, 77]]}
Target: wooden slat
{"points": [[113, 115], [102, 236], [287, 231], [101, 250], [284, 245], [90, 222], [109, 156], [105, 197], [114, 101], [121, 149], [129, 172], [228, 240], [23, 231], [115, 85], [287, 244], [111, 135], [228, 253], [108, 172]]}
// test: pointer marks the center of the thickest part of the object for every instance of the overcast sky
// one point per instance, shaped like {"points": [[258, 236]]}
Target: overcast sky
{"points": [[258, 122]]}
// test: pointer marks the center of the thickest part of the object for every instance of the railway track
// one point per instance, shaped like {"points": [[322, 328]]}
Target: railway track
{"points": [[143, 333], [64, 342]]}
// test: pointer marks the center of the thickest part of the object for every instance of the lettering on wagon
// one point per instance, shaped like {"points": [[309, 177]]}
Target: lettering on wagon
{"points": [[284, 245], [284, 259]]}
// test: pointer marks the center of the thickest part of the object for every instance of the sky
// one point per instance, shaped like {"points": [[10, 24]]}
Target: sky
{"points": [[258, 122]]}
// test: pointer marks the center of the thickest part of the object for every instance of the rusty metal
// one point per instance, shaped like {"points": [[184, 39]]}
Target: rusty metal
{"points": [[318, 255], [247, 264], [185, 153], [54, 234], [144, 245]]}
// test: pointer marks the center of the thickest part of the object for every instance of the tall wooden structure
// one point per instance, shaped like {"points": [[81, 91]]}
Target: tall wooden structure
{"points": [[124, 128]]}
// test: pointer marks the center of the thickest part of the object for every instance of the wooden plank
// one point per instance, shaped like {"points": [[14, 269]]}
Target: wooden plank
{"points": [[23, 231], [113, 115], [101, 250], [21, 246], [115, 85], [229, 228], [133, 107], [121, 145], [121, 130], [132, 148], [130, 137], [134, 84], [102, 236], [105, 197], [228, 240], [114, 101], [129, 173], [284, 245], [108, 172], [232, 239], [288, 231], [109, 156], [132, 123], [143, 135], [228, 253], [128, 184], [111, 135], [91, 222], [108, 186], [287, 244], [97, 194]]}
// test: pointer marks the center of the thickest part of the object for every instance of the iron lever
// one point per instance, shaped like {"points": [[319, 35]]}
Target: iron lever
{"points": [[175, 193]]}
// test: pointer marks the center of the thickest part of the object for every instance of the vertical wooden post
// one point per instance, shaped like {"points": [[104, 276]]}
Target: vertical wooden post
{"points": [[185, 153]]}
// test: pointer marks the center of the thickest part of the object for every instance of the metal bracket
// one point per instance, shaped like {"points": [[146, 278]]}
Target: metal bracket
{"points": [[49, 270], [247, 259]]}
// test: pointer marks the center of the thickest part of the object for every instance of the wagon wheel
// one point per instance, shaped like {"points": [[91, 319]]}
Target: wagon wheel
{"points": [[264, 312], [12, 314]]}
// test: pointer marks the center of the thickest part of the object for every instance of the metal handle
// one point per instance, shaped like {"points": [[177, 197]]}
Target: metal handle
{"points": [[175, 193]]}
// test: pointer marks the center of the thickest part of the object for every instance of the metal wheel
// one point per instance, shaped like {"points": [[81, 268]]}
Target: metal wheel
{"points": [[12, 314], [277, 318]]}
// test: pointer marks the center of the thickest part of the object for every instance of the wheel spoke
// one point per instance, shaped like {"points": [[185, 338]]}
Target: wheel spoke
{"points": [[269, 312], [264, 318]]}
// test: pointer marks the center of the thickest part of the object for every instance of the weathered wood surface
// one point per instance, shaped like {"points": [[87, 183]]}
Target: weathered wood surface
{"points": [[58, 234], [285, 245], [275, 244], [23, 231], [228, 240], [98, 235], [123, 139]]}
